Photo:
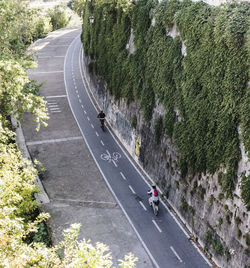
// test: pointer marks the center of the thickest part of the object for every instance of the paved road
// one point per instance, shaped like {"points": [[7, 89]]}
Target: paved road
{"points": [[164, 240], [74, 185]]}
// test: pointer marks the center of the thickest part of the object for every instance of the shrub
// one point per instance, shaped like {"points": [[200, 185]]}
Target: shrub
{"points": [[247, 239], [221, 196], [228, 218], [208, 86], [211, 200], [184, 205], [42, 26], [134, 122], [245, 191], [220, 221], [58, 17], [228, 255], [218, 247], [239, 233], [158, 129], [237, 221]]}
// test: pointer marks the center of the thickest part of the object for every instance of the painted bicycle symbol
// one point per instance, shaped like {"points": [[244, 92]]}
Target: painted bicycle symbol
{"points": [[111, 158]]}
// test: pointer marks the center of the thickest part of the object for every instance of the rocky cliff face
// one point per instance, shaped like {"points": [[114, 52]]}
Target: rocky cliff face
{"points": [[220, 225]]}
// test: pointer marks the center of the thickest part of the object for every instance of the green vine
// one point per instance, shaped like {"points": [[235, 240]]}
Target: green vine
{"points": [[204, 92], [158, 129]]}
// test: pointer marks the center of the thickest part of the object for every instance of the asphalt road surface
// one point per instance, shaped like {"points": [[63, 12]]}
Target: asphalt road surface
{"points": [[164, 240]]}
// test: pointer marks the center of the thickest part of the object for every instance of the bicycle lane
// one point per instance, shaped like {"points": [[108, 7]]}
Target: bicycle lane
{"points": [[162, 238]]}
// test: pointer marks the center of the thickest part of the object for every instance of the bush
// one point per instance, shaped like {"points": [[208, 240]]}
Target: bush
{"points": [[208, 86], [58, 17], [184, 205], [42, 27], [158, 129], [245, 191], [218, 247], [212, 239], [134, 122]]}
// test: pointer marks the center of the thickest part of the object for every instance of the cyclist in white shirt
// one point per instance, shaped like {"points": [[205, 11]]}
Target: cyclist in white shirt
{"points": [[154, 195]]}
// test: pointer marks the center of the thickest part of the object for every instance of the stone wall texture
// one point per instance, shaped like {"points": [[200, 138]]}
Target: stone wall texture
{"points": [[198, 200]]}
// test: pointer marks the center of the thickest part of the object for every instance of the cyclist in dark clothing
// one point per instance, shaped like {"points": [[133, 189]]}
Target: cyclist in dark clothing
{"points": [[101, 116]]}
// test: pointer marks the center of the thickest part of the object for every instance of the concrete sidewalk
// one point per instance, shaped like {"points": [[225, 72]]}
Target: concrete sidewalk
{"points": [[74, 185]]}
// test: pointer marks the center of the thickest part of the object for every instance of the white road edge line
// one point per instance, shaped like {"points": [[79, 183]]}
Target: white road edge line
{"points": [[156, 225], [143, 205], [175, 253], [173, 216], [110, 188], [132, 190], [201, 253], [123, 176], [170, 212]]}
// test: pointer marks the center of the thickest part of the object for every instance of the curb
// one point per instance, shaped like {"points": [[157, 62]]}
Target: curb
{"points": [[41, 197]]}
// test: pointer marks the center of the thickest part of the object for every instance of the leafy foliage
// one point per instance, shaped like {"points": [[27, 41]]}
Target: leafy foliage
{"points": [[16, 91], [78, 6], [206, 86], [245, 190], [212, 239], [58, 17], [19, 26], [134, 122], [158, 129], [16, 36]]}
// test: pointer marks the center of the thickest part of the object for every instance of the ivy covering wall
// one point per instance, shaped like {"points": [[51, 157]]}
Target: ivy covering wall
{"points": [[208, 85]]}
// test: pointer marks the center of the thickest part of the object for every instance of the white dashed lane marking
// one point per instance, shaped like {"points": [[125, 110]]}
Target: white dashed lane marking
{"points": [[175, 253], [92, 126], [97, 134], [132, 190], [102, 143], [143, 205], [123, 176], [88, 118], [156, 225]]}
